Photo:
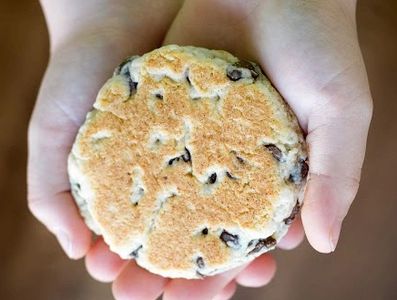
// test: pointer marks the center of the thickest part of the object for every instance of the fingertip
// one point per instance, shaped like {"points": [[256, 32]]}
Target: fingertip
{"points": [[102, 264], [81, 238], [227, 292], [205, 288], [327, 202], [74, 247], [61, 217], [317, 230], [135, 283], [335, 233], [74, 242], [258, 273]]}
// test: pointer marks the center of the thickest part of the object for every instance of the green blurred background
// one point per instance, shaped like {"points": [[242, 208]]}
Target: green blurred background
{"points": [[32, 265]]}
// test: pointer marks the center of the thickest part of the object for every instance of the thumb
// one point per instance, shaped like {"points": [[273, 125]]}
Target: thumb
{"points": [[336, 139]]}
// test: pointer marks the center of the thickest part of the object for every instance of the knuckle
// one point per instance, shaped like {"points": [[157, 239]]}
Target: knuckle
{"points": [[359, 108]]}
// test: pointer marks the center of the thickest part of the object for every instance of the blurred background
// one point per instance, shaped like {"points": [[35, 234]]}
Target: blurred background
{"points": [[32, 265]]}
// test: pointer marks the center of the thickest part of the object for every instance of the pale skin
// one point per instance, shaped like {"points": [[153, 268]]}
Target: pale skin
{"points": [[308, 49]]}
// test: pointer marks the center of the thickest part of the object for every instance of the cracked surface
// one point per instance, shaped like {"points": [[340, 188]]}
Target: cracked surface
{"points": [[190, 162]]}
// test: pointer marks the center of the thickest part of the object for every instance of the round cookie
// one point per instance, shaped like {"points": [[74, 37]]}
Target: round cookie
{"points": [[190, 162]]}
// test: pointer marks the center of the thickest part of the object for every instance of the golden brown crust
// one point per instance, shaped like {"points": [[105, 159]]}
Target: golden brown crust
{"points": [[127, 143]]}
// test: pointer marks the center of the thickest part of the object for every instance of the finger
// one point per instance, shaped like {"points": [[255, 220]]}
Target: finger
{"points": [[73, 77], [227, 292], [62, 218], [135, 283], [222, 29], [198, 289], [337, 147], [102, 264], [294, 236], [258, 273]]}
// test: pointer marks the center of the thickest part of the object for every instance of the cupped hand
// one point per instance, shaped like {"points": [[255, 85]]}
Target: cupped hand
{"points": [[310, 52]]}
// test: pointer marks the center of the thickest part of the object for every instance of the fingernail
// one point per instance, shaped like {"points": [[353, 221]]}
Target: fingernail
{"points": [[64, 240], [334, 235]]}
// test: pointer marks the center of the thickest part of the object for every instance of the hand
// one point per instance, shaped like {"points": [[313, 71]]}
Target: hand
{"points": [[85, 48], [83, 58]]}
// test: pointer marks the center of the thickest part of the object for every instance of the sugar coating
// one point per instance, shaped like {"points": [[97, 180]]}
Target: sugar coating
{"points": [[190, 162]]}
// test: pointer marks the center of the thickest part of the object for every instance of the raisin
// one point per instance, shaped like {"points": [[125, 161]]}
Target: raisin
{"points": [[304, 169], [205, 231], [263, 243], [293, 214], [228, 174], [200, 262], [159, 96], [186, 157], [270, 242], [134, 253], [234, 74], [240, 159], [172, 160], [231, 240], [247, 65], [276, 152], [122, 68], [133, 85], [212, 178], [301, 171]]}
